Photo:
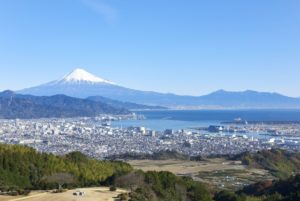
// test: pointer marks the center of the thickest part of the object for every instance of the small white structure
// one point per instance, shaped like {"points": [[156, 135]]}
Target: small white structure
{"points": [[79, 193]]}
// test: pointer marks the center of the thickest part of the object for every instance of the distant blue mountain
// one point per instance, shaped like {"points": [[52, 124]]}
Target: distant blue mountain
{"points": [[82, 84], [249, 99], [14, 105]]}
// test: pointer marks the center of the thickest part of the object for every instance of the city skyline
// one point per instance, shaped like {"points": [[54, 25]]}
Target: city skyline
{"points": [[192, 49]]}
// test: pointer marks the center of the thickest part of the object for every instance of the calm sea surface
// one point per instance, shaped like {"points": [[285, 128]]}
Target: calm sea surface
{"points": [[183, 119]]}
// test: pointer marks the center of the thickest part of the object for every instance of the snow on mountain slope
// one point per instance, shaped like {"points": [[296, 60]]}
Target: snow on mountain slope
{"points": [[80, 75]]}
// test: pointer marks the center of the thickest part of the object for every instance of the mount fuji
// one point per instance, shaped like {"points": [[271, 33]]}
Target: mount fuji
{"points": [[79, 83], [82, 84]]}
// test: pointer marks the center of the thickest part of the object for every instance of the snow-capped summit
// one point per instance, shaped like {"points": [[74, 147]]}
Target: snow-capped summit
{"points": [[81, 75]]}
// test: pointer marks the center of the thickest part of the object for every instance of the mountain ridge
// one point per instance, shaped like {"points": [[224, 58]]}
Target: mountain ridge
{"points": [[218, 99], [14, 105]]}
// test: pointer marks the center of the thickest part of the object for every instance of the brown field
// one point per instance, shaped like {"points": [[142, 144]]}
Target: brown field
{"points": [[218, 172], [91, 194], [186, 167]]}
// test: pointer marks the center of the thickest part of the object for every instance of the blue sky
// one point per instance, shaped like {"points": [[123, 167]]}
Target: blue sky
{"points": [[181, 46]]}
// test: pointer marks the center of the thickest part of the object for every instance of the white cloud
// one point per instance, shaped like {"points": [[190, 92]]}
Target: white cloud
{"points": [[104, 9]]}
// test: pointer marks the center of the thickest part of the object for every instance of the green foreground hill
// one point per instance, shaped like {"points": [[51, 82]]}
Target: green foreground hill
{"points": [[24, 167]]}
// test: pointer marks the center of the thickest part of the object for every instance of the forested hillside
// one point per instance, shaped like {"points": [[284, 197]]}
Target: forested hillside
{"points": [[162, 186], [26, 168], [14, 105], [280, 163]]}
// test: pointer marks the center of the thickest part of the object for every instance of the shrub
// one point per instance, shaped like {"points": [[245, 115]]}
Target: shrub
{"points": [[123, 197], [112, 188]]}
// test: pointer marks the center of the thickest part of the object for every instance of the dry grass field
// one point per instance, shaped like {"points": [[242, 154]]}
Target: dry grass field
{"points": [[91, 194], [186, 167], [218, 172]]}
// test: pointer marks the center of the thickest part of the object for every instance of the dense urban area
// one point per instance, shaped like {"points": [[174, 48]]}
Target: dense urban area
{"points": [[97, 138]]}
